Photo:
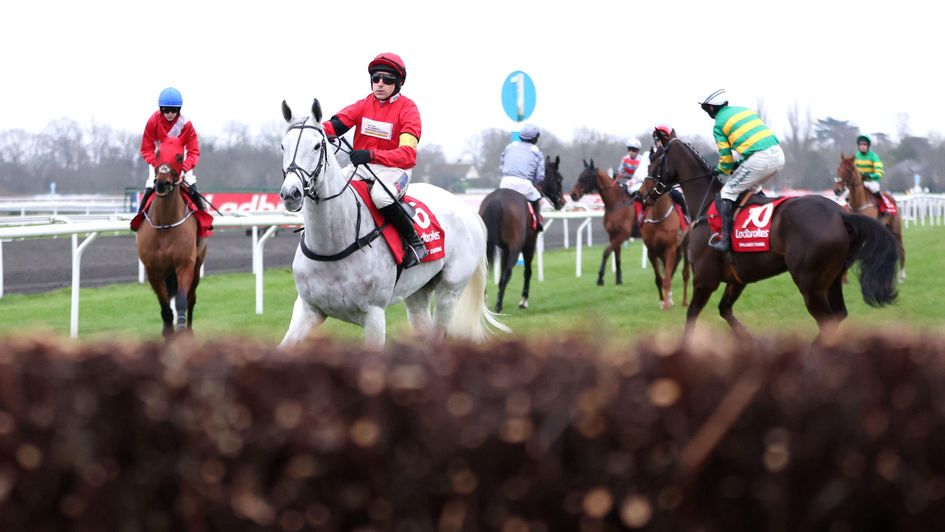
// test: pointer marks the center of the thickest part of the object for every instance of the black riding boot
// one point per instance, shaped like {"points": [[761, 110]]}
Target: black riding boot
{"points": [[681, 201], [144, 197], [196, 197], [537, 206], [726, 210], [414, 248]]}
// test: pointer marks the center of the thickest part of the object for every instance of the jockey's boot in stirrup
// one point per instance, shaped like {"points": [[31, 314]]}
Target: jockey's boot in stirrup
{"points": [[537, 206], [414, 249], [196, 197], [726, 210], [144, 197]]}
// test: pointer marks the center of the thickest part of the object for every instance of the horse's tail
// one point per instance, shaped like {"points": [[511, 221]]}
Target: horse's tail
{"points": [[472, 319], [876, 249], [492, 225]]}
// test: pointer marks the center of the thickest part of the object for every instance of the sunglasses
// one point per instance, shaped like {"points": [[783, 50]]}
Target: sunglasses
{"points": [[388, 80], [170, 109]]}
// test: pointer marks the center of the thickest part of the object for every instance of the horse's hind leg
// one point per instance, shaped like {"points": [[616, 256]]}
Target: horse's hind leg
{"points": [[528, 252], [729, 297], [304, 319], [192, 294], [618, 274], [603, 263], [509, 256], [896, 227], [418, 311], [835, 298]]}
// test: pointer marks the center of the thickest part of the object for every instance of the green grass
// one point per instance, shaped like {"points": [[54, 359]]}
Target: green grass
{"points": [[562, 303]]}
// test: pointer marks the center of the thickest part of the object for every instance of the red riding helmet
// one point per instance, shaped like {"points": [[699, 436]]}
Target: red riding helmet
{"points": [[664, 128], [388, 62]]}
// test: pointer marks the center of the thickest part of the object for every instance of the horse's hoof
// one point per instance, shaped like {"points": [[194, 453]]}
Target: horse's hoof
{"points": [[498, 309], [600, 282], [618, 281], [523, 304]]}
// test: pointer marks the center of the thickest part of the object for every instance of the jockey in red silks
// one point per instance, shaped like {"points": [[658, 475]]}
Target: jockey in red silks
{"points": [[168, 122], [385, 145]]}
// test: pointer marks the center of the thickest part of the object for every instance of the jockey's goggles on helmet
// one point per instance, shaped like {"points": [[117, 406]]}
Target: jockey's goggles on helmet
{"points": [[170, 109], [388, 80]]}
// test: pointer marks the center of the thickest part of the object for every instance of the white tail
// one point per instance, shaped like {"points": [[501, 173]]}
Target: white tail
{"points": [[471, 318]]}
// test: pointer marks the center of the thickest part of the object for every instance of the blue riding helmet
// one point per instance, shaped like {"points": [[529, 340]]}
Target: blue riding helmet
{"points": [[170, 97]]}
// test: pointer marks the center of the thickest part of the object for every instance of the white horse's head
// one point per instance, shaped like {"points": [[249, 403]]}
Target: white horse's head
{"points": [[305, 156]]}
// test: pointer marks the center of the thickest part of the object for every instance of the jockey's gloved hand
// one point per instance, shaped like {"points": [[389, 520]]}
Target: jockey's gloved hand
{"points": [[360, 156]]}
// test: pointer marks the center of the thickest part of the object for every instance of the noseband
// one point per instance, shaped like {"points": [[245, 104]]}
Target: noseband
{"points": [[308, 179]]}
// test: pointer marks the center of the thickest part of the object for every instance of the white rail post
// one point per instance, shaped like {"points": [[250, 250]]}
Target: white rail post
{"points": [[77, 251], [255, 241], [540, 249], [566, 234], [643, 255], [140, 271], [580, 235], [1, 268], [258, 265]]}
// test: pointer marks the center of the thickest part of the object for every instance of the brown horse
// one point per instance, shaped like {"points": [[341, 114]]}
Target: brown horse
{"points": [[861, 202], [665, 240], [509, 227], [811, 238], [619, 213], [167, 243]]}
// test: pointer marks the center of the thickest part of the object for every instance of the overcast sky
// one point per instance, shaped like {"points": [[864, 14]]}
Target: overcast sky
{"points": [[617, 67]]}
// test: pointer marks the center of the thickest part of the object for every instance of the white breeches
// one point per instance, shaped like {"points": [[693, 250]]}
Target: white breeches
{"points": [[753, 172], [522, 186], [395, 180], [872, 186]]}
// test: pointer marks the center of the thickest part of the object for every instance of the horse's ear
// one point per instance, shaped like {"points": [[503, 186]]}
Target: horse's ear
{"points": [[585, 162], [592, 163], [286, 112], [317, 110], [557, 161]]}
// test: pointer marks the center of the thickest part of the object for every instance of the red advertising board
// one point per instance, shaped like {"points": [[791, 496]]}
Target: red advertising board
{"points": [[245, 201]]}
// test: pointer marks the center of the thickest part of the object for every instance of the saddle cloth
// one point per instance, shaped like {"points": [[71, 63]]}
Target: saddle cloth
{"points": [[887, 206], [752, 225], [424, 222], [204, 220]]}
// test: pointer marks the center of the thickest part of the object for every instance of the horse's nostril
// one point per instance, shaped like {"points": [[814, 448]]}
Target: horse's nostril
{"points": [[296, 194]]}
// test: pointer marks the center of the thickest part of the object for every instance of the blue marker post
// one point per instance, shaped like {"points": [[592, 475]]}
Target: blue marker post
{"points": [[518, 98]]}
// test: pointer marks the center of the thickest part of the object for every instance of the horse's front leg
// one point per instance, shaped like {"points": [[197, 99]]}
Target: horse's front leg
{"points": [[603, 263], [185, 277], [160, 287], [304, 319], [701, 292], [669, 268], [375, 328], [619, 273]]}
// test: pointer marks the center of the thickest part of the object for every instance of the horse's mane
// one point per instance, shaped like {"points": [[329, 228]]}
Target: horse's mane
{"points": [[705, 164]]}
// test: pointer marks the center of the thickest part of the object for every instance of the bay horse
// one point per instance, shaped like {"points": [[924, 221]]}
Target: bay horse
{"points": [[353, 278], [619, 212], [812, 238], [861, 202], [168, 244], [508, 220], [662, 231]]}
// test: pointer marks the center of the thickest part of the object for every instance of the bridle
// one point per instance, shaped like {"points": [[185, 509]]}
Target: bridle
{"points": [[165, 168], [662, 187], [168, 190], [307, 178]]}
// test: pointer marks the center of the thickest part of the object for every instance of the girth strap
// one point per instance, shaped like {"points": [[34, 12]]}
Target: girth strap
{"points": [[356, 245]]}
